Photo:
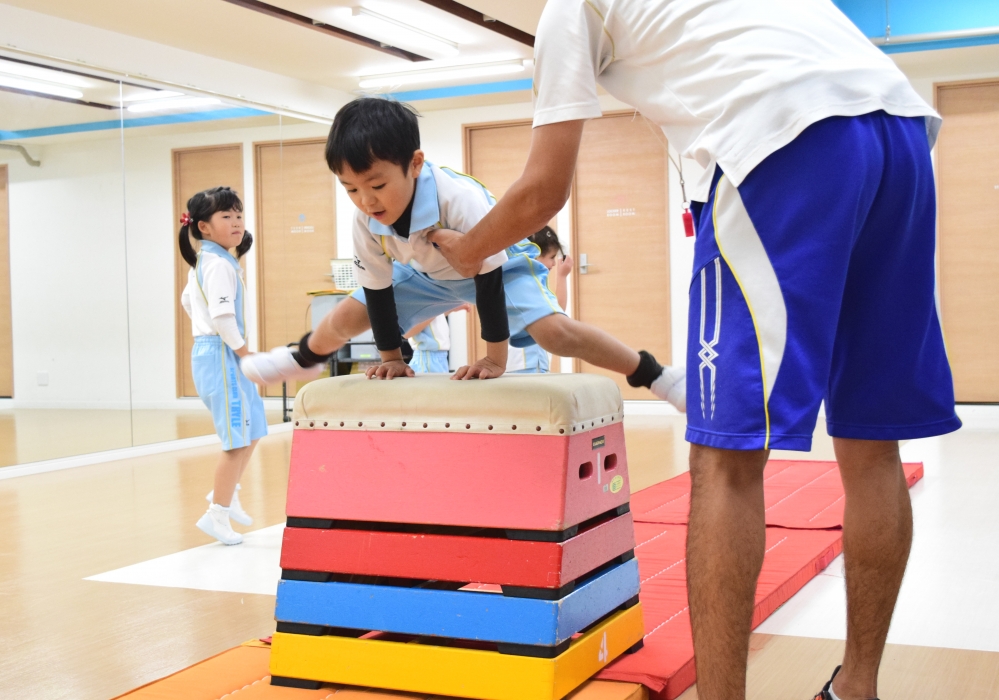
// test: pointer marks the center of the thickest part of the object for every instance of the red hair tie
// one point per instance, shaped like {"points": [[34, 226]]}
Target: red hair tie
{"points": [[185, 219]]}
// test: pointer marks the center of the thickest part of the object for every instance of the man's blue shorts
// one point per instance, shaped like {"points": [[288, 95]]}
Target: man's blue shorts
{"points": [[814, 280], [237, 409], [528, 299]]}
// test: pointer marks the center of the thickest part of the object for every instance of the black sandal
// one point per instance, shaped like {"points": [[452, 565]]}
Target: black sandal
{"points": [[824, 694]]}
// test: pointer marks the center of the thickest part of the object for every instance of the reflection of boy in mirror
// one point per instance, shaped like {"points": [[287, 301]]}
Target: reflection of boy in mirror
{"points": [[214, 300], [374, 149]]}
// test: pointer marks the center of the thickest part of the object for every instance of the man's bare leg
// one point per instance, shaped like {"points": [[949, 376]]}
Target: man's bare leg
{"points": [[877, 536], [348, 320], [726, 539], [563, 336]]}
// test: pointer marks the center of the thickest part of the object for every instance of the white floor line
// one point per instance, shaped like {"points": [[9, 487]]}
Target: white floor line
{"points": [[249, 567], [51, 465]]}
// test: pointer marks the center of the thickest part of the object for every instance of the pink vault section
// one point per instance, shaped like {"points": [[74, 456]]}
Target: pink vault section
{"points": [[526, 482], [799, 496]]}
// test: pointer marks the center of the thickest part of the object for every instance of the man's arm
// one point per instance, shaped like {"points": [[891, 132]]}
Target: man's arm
{"points": [[530, 203]]}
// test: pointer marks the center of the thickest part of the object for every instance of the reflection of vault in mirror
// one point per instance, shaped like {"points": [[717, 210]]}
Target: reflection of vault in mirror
{"points": [[23, 151]]}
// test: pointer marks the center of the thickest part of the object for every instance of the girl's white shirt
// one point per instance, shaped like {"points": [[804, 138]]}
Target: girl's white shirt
{"points": [[214, 312]]}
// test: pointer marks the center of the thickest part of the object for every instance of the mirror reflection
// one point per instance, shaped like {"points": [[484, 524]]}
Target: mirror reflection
{"points": [[95, 176]]}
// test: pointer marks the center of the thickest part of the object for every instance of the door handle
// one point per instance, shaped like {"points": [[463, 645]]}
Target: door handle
{"points": [[583, 264]]}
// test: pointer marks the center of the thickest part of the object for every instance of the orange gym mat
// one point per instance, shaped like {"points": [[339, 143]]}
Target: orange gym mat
{"points": [[804, 534]]}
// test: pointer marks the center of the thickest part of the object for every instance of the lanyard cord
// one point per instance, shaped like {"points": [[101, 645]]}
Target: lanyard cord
{"points": [[656, 134], [688, 219]]}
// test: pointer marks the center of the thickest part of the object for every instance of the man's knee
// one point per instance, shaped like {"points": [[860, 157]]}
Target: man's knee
{"points": [[712, 468]]}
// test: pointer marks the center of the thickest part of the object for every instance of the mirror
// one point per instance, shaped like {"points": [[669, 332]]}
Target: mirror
{"points": [[95, 347], [65, 379]]}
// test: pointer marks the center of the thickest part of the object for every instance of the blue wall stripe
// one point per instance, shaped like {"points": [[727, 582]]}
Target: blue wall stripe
{"points": [[159, 120], [462, 90], [911, 17], [942, 44]]}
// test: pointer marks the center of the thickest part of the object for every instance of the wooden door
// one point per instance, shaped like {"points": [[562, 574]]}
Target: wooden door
{"points": [[296, 218], [495, 154], [194, 170], [621, 227], [6, 330], [968, 178]]}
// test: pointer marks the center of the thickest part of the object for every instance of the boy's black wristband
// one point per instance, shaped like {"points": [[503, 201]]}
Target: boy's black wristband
{"points": [[305, 357], [384, 318], [490, 301]]}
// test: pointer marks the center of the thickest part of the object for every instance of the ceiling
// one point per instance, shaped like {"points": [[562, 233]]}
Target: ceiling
{"points": [[232, 33]]}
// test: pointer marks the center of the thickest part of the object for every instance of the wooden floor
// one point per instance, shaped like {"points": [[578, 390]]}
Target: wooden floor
{"points": [[63, 637], [36, 434]]}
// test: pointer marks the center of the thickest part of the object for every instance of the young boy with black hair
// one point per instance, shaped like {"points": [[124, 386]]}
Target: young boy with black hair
{"points": [[374, 149]]}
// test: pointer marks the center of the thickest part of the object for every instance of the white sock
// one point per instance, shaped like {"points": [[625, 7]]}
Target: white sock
{"points": [[833, 695], [224, 510]]}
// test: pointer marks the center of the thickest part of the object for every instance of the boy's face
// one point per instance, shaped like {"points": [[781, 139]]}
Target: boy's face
{"points": [[382, 191]]}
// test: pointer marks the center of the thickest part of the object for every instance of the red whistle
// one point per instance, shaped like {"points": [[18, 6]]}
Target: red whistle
{"points": [[688, 223]]}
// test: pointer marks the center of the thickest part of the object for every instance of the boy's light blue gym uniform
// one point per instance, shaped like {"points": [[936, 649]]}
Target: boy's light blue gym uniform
{"points": [[814, 281], [535, 361], [418, 297], [237, 409], [427, 354]]}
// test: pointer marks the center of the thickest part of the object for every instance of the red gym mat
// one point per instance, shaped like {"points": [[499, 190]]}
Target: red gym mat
{"points": [[802, 494], [799, 495]]}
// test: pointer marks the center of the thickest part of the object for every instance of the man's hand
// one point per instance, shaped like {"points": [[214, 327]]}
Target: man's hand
{"points": [[390, 370], [450, 244], [481, 369]]}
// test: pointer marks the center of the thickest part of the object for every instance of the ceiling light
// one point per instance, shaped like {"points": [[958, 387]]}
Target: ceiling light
{"points": [[48, 75], [44, 88], [396, 33], [157, 95], [441, 74], [184, 103]]}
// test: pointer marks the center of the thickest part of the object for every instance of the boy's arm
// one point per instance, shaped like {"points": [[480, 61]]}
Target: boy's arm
{"points": [[490, 299], [388, 337]]}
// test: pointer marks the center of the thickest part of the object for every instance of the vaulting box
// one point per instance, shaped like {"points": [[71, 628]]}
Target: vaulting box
{"points": [[387, 661], [451, 557], [534, 453]]}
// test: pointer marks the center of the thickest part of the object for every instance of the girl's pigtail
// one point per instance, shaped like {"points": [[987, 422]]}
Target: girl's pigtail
{"points": [[186, 249], [244, 245]]}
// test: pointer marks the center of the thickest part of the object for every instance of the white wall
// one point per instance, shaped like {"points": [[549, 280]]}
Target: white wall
{"points": [[68, 276]]}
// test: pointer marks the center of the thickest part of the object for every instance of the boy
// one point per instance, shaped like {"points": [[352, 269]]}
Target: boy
{"points": [[374, 149]]}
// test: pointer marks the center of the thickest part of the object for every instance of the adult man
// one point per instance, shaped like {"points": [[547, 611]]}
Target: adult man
{"points": [[813, 275]]}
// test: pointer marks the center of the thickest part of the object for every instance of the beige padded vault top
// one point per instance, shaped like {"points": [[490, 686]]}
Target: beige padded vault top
{"points": [[541, 404]]}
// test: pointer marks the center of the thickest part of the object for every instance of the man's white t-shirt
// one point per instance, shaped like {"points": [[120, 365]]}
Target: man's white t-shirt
{"points": [[729, 81], [443, 199]]}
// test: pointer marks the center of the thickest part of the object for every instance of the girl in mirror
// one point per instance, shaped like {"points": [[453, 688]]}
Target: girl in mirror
{"points": [[214, 299]]}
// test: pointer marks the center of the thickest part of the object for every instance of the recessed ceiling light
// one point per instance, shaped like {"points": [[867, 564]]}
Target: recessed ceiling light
{"points": [[183, 103], [35, 86], [45, 74], [396, 33], [157, 95], [480, 70]]}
